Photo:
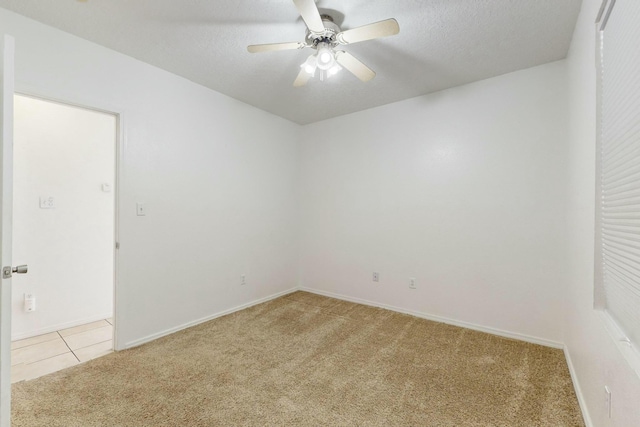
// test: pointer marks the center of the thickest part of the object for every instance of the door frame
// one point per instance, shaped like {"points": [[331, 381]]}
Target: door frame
{"points": [[7, 80], [45, 95]]}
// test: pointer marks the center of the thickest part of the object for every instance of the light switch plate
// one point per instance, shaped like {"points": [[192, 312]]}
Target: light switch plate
{"points": [[141, 209]]}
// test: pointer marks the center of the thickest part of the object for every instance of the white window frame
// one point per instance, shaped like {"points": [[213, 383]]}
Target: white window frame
{"points": [[629, 350]]}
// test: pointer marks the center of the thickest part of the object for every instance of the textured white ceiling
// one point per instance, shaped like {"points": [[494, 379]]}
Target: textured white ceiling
{"points": [[442, 43]]}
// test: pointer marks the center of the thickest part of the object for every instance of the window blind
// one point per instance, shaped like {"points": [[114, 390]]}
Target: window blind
{"points": [[619, 140]]}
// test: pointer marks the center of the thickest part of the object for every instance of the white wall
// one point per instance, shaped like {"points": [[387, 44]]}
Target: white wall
{"points": [[461, 189], [217, 177], [465, 189], [66, 153], [595, 359]]}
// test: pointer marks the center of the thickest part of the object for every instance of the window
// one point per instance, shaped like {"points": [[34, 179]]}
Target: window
{"points": [[618, 202]]}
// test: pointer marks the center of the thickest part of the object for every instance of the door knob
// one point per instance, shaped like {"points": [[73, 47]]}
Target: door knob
{"points": [[21, 269], [8, 271]]}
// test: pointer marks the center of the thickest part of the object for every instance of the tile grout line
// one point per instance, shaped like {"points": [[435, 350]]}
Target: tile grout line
{"points": [[31, 345], [41, 360], [59, 335], [65, 343]]}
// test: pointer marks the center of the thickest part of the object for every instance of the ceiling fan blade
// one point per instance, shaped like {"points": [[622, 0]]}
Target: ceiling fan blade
{"points": [[310, 15], [388, 27], [255, 48], [302, 79], [354, 65]]}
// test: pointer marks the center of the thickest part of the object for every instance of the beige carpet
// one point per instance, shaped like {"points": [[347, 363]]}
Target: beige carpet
{"points": [[307, 360]]}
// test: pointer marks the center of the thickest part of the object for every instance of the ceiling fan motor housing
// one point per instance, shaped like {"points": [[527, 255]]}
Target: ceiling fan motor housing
{"points": [[329, 34]]}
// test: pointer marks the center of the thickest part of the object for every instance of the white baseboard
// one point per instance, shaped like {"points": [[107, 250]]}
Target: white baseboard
{"points": [[473, 326], [576, 386], [467, 325], [59, 327], [169, 331]]}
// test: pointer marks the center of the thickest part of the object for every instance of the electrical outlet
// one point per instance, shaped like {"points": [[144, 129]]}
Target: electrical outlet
{"points": [[47, 203], [376, 277], [608, 400], [412, 282], [243, 280], [29, 302]]}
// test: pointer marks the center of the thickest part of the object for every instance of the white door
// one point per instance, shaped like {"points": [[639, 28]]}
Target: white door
{"points": [[6, 185]]}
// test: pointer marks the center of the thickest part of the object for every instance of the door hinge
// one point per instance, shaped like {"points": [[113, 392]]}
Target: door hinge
{"points": [[117, 245]]}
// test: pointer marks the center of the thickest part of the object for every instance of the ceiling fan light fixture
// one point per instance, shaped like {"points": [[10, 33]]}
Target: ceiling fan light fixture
{"points": [[309, 66], [334, 70], [325, 58]]}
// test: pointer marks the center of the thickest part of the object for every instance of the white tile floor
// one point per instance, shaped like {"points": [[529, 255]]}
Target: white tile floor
{"points": [[37, 356]]}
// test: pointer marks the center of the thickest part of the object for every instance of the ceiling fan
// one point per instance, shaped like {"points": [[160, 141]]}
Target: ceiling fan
{"points": [[324, 36]]}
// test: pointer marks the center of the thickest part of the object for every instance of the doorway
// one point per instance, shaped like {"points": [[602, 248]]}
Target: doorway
{"points": [[64, 225]]}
